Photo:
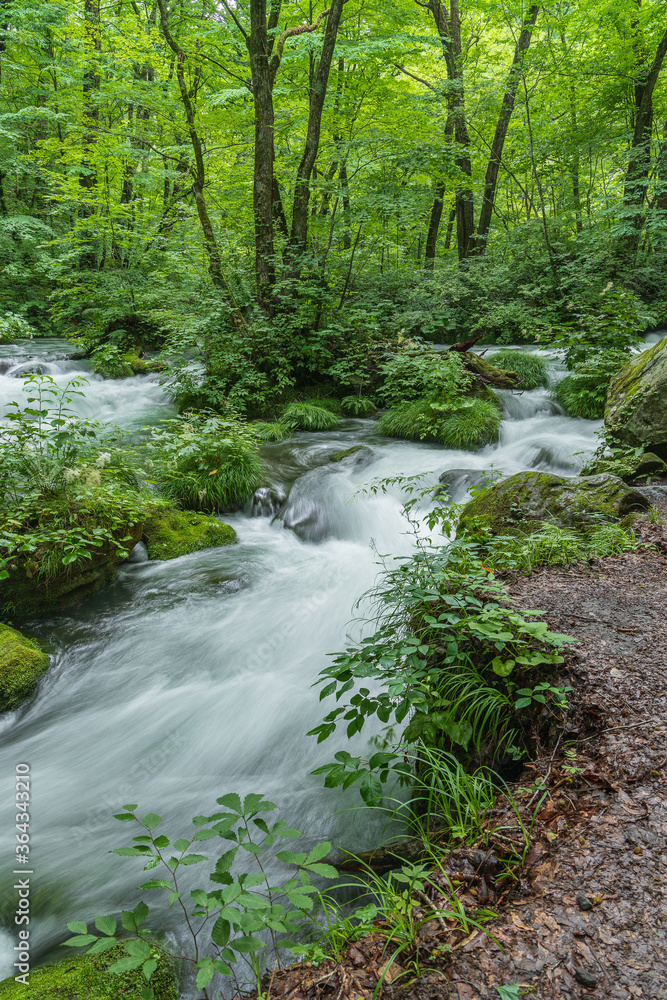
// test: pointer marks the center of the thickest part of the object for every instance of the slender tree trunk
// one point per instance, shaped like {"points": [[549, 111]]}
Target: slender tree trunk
{"points": [[258, 44], [637, 173], [449, 30], [433, 226], [91, 117], [450, 227], [199, 173], [318, 93], [661, 198], [506, 110]]}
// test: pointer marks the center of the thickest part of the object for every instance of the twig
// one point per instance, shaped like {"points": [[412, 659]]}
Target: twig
{"points": [[422, 897]]}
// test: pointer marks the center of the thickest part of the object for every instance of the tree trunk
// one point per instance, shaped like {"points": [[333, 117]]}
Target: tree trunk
{"points": [[318, 93], [637, 173], [506, 110], [91, 116], [259, 48], [449, 30], [433, 226]]}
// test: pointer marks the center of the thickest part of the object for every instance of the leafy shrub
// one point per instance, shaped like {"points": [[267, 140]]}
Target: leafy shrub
{"points": [[473, 424], [531, 368], [612, 323], [308, 417], [108, 361], [583, 393], [13, 327], [65, 488], [410, 375], [240, 906], [204, 461], [358, 406], [450, 653]]}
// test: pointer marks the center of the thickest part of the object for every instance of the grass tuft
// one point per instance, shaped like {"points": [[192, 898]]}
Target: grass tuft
{"points": [[531, 368], [308, 417], [467, 428]]}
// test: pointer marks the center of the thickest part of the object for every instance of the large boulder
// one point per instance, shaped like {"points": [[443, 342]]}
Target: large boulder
{"points": [[636, 408], [524, 502], [22, 663], [85, 976], [170, 533]]}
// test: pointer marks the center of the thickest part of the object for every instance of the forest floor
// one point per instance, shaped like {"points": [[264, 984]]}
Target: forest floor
{"points": [[588, 915]]}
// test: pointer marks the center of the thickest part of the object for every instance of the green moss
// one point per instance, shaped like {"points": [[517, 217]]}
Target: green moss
{"points": [[338, 456], [22, 663], [636, 408], [531, 368], [628, 467], [492, 375], [172, 533], [143, 366], [84, 977]]}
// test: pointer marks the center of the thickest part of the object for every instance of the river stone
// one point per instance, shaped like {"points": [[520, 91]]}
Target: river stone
{"points": [[457, 482], [22, 663], [527, 500], [80, 976], [636, 408], [170, 533]]}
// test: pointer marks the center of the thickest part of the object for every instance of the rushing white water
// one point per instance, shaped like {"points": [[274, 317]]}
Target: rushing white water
{"points": [[190, 678]]}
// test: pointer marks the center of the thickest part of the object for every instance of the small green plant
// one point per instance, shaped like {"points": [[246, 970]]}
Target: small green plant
{"points": [[270, 431], [540, 693], [358, 406], [308, 417], [203, 461], [13, 327], [241, 905], [583, 393], [612, 323], [531, 368], [410, 375]]}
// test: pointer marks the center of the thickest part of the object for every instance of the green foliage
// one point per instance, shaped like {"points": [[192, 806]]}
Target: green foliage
{"points": [[13, 327], [63, 495], [270, 431], [583, 393], [474, 424], [358, 406], [531, 368], [308, 417], [612, 323], [108, 362], [203, 461], [410, 375], [448, 652], [242, 904]]}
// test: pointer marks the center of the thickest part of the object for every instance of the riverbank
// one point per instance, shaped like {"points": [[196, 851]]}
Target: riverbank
{"points": [[587, 915]]}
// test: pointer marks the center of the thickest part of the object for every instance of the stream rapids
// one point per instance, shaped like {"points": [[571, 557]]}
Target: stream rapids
{"points": [[187, 679]]}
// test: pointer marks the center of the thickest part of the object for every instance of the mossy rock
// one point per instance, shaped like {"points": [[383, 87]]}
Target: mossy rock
{"points": [[24, 595], [172, 533], [84, 977], [22, 663], [525, 502], [338, 456], [636, 409], [632, 469], [143, 366]]}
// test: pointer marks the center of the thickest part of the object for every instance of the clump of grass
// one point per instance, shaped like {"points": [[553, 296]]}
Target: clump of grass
{"points": [[358, 406], [472, 426], [267, 431], [583, 393], [308, 417], [556, 546], [531, 368]]}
